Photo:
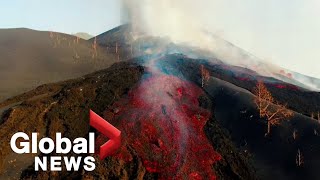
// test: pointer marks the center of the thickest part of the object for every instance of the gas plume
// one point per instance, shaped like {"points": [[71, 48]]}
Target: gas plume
{"points": [[178, 20], [189, 23]]}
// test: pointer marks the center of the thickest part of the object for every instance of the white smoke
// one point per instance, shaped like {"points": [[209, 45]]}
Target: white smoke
{"points": [[169, 18], [188, 22], [179, 20]]}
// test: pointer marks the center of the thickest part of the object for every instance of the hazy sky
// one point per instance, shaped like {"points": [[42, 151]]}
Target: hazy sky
{"points": [[284, 32], [69, 16]]}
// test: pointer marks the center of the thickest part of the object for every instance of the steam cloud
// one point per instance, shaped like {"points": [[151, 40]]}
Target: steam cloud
{"points": [[179, 21], [169, 18], [183, 22]]}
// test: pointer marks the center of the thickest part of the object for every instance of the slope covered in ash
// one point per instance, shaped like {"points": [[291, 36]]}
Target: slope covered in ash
{"points": [[274, 156], [313, 82], [298, 99], [30, 58]]}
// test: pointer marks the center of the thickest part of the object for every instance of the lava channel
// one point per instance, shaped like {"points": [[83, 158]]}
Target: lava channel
{"points": [[162, 122]]}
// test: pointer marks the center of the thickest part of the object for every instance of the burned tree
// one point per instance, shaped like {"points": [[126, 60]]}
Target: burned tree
{"points": [[205, 76], [51, 35], [54, 38], [270, 109], [117, 48], [295, 134], [315, 116], [58, 39], [94, 48], [299, 158]]}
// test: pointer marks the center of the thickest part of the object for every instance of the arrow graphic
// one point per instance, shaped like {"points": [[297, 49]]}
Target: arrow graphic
{"points": [[107, 130]]}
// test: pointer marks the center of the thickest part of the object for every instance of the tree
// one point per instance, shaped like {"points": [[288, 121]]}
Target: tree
{"points": [[51, 35], [117, 48], [299, 159], [58, 39], [53, 39], [94, 48], [315, 116], [294, 134], [205, 76], [315, 132], [269, 108]]}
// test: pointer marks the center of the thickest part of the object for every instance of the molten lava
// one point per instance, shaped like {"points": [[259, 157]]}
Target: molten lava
{"points": [[162, 122]]}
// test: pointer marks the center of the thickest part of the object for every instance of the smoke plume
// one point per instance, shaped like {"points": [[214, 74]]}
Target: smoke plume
{"points": [[189, 22], [181, 21], [169, 18]]}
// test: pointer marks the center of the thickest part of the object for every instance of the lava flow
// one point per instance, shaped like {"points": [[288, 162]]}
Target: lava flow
{"points": [[162, 122]]}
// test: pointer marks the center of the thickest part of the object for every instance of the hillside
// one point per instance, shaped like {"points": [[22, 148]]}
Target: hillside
{"points": [[30, 58]]}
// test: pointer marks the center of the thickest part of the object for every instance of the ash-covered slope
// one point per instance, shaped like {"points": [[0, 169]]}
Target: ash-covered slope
{"points": [[313, 82], [298, 99], [273, 156], [30, 58]]}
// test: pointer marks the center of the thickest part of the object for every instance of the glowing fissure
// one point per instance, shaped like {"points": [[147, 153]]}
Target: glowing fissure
{"points": [[162, 122]]}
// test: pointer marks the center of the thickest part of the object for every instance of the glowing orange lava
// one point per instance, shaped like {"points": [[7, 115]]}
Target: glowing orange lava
{"points": [[162, 122]]}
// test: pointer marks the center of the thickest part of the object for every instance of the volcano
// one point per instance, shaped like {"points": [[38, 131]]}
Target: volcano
{"points": [[184, 113]]}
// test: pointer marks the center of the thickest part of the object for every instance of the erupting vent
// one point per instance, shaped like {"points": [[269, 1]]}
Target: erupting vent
{"points": [[162, 122]]}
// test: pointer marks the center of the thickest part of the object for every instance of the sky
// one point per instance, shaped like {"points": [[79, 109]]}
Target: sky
{"points": [[283, 32], [68, 16]]}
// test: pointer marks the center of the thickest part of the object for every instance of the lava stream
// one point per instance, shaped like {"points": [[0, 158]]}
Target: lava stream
{"points": [[161, 120]]}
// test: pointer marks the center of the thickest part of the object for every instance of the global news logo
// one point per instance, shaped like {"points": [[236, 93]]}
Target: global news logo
{"points": [[21, 143]]}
